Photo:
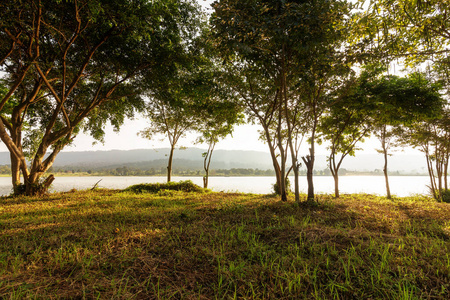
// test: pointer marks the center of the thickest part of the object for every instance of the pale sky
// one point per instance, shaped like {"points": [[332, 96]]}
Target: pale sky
{"points": [[245, 137]]}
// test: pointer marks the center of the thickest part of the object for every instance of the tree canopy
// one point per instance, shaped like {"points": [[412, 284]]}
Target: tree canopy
{"points": [[75, 64]]}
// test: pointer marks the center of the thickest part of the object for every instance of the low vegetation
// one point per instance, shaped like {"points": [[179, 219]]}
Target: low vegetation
{"points": [[107, 244], [185, 186]]}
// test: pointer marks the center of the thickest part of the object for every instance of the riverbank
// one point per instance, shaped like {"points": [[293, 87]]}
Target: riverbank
{"points": [[113, 244]]}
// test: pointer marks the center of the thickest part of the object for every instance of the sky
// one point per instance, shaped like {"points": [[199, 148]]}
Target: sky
{"points": [[245, 137]]}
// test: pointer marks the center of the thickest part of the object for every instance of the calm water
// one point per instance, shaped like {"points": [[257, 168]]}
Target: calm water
{"points": [[400, 185]]}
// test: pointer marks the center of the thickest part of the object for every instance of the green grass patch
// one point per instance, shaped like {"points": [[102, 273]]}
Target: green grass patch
{"points": [[185, 186], [182, 245]]}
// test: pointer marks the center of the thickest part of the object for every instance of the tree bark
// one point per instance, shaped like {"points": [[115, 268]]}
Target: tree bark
{"points": [[385, 171], [309, 163], [289, 122], [207, 163], [282, 156], [336, 185], [335, 173], [273, 155], [446, 172], [205, 180], [15, 173], [169, 165], [296, 181], [431, 174], [283, 178]]}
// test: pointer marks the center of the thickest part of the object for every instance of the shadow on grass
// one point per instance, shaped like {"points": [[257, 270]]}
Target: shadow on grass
{"points": [[220, 245]]}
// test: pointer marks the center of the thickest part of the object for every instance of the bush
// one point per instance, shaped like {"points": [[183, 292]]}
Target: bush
{"points": [[276, 189], [185, 186], [446, 196]]}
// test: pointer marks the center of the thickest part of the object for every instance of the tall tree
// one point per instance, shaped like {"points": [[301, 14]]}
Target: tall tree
{"points": [[194, 99], [218, 121], [261, 103], [171, 118], [432, 138], [279, 39], [394, 102], [343, 126], [76, 64]]}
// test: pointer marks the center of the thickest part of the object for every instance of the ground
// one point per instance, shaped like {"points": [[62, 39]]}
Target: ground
{"points": [[203, 245]]}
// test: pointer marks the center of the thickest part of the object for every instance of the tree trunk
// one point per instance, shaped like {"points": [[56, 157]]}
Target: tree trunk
{"points": [[296, 183], [273, 155], [446, 173], [385, 171], [205, 181], [309, 163], [282, 171], [295, 163], [309, 177], [439, 170], [169, 165], [284, 96], [295, 167], [35, 188], [15, 173], [282, 157], [207, 163], [18, 161], [431, 175], [336, 185], [283, 181], [334, 169]]}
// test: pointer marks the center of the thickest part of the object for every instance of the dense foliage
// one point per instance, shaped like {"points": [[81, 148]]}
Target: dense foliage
{"points": [[75, 65]]}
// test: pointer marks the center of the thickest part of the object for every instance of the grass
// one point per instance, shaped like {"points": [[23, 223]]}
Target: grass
{"points": [[105, 244]]}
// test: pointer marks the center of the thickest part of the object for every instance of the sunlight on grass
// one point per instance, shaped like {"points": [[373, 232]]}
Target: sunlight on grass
{"points": [[174, 244]]}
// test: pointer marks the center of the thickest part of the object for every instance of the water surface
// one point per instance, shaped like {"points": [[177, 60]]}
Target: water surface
{"points": [[400, 185]]}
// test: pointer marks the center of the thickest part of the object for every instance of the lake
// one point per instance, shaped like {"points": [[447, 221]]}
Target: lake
{"points": [[400, 185]]}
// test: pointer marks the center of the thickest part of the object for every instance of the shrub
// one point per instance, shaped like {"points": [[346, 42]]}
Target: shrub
{"points": [[185, 186], [276, 189], [446, 196]]}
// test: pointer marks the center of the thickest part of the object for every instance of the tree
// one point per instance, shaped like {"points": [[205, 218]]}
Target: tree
{"points": [[261, 104], [416, 31], [395, 102], [277, 41], [218, 110], [246, 48], [218, 120], [192, 100], [73, 65], [343, 126], [174, 119], [432, 138]]}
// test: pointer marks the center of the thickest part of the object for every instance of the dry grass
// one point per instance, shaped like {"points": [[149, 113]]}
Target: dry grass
{"points": [[112, 244]]}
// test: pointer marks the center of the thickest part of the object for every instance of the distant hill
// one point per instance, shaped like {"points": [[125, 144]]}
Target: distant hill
{"points": [[222, 159]]}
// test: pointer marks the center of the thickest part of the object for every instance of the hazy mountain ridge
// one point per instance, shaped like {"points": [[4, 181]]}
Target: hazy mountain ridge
{"points": [[222, 159]]}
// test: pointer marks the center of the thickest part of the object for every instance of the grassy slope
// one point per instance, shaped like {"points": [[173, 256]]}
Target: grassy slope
{"points": [[213, 245]]}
